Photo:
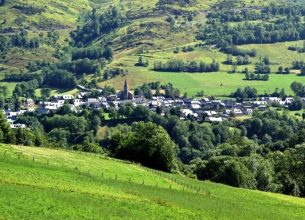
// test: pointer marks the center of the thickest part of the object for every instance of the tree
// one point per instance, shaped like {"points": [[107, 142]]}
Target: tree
{"points": [[59, 136], [141, 113], [302, 71], [142, 62], [60, 79], [146, 143], [227, 171], [298, 88], [88, 146], [108, 53], [282, 93], [286, 70], [46, 92], [296, 105], [266, 60], [265, 176], [5, 129], [4, 91]]}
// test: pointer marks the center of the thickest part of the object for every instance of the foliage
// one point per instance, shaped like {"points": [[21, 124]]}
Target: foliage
{"points": [[92, 53], [146, 143], [97, 25], [181, 66], [59, 79], [218, 30], [142, 62], [245, 93]]}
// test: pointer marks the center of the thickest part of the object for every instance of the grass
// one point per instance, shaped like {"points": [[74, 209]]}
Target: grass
{"points": [[58, 92], [209, 82], [51, 188], [216, 84]]}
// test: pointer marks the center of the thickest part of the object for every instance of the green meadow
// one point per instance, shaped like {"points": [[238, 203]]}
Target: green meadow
{"points": [[36, 183], [216, 84]]}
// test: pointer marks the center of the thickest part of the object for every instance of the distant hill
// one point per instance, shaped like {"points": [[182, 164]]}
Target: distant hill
{"points": [[157, 30], [40, 183]]}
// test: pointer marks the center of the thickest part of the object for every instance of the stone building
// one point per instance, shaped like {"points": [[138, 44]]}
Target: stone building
{"points": [[125, 94]]}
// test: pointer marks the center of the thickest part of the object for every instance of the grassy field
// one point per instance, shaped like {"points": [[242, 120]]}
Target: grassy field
{"points": [[217, 84], [209, 82], [58, 184]]}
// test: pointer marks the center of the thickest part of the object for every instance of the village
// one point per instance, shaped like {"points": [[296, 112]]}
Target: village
{"points": [[203, 109]]}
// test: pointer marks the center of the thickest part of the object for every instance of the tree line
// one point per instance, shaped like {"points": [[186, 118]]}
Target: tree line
{"points": [[181, 66], [235, 51], [146, 90], [239, 60]]}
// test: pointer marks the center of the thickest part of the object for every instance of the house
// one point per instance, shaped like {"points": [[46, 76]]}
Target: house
{"points": [[155, 103], [271, 100], [228, 111], [258, 103], [93, 102], [102, 99], [112, 98], [29, 103], [249, 111], [213, 112], [105, 104], [13, 115], [179, 103], [262, 107], [288, 100], [237, 111], [229, 103], [82, 95], [78, 102], [14, 126], [68, 97], [195, 104], [204, 100], [214, 119], [188, 112]]}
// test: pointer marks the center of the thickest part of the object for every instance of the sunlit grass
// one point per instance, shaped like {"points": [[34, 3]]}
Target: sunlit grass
{"points": [[51, 187]]}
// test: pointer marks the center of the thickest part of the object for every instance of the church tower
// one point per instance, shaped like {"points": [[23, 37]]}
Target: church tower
{"points": [[125, 94], [126, 89]]}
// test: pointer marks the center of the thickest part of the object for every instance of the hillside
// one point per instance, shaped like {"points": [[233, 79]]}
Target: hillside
{"points": [[157, 31], [40, 182]]}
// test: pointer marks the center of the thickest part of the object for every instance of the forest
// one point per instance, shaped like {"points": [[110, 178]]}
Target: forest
{"points": [[288, 27]]}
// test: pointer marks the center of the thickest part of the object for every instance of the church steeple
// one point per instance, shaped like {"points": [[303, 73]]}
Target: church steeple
{"points": [[126, 90], [126, 84]]}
